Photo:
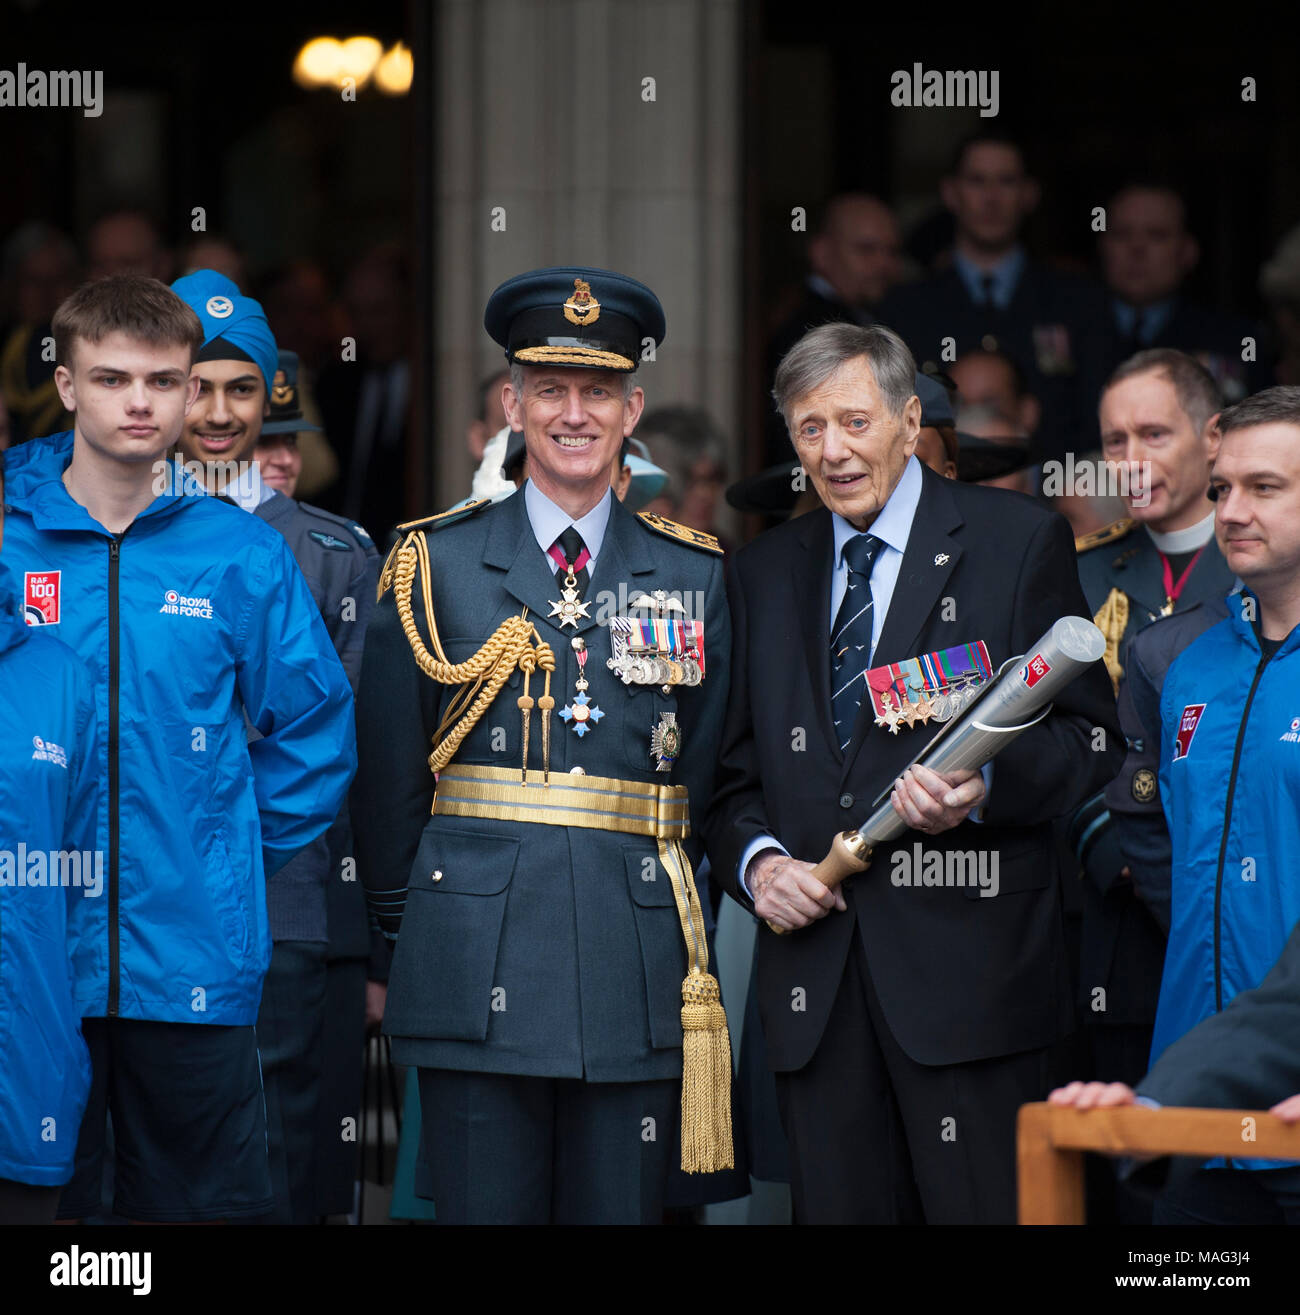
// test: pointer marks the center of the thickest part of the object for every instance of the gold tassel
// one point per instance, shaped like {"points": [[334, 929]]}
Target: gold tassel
{"points": [[1112, 621], [706, 1078]]}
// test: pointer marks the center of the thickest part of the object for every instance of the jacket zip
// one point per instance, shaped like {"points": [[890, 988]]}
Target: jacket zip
{"points": [[114, 665], [1223, 843]]}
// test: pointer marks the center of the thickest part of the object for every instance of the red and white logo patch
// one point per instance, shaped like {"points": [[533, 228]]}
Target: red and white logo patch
{"points": [[1187, 725], [1034, 670], [41, 597]]}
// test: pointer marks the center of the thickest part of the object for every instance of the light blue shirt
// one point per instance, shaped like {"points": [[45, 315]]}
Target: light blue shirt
{"points": [[892, 527], [1005, 274], [1154, 318], [248, 489], [549, 522]]}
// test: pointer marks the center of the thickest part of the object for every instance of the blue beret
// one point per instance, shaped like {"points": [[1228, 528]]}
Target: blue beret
{"points": [[227, 314], [565, 315]]}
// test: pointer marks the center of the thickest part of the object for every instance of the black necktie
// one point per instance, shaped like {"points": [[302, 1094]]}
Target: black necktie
{"points": [[989, 284], [573, 548], [851, 636]]}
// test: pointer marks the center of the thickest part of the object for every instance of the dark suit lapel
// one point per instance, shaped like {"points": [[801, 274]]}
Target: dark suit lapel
{"points": [[929, 559], [512, 547], [1143, 575], [811, 564], [1210, 578], [624, 553]]}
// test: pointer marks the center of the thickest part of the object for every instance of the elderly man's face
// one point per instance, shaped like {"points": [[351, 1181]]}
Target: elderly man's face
{"points": [[853, 448]]}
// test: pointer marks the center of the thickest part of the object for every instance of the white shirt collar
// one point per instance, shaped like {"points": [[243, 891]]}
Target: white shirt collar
{"points": [[1188, 540], [248, 490], [894, 523], [550, 521]]}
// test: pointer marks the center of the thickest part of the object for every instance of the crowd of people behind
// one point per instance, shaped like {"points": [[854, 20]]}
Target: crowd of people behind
{"points": [[1028, 377]]}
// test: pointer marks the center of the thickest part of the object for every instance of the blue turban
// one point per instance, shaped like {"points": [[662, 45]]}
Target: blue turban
{"points": [[228, 315]]}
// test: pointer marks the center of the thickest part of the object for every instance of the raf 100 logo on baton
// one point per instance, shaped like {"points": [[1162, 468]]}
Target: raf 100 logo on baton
{"points": [[1034, 670]]}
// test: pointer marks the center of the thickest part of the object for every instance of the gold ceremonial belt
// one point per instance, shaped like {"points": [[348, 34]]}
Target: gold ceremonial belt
{"points": [[603, 803], [600, 803]]}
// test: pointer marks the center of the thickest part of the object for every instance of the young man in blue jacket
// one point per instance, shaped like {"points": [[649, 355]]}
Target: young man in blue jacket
{"points": [[1230, 775], [196, 623], [49, 805]]}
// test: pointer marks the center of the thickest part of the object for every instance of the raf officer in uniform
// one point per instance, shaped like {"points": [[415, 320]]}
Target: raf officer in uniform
{"points": [[540, 711], [1158, 416]]}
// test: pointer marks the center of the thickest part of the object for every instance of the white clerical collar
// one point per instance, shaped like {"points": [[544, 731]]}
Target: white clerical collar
{"points": [[550, 521], [1181, 541]]}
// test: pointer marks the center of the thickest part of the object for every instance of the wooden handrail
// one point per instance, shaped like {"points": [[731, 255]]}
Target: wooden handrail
{"points": [[1051, 1141]]}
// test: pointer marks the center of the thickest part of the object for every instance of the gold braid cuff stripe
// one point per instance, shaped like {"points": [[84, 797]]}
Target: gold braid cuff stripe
{"points": [[605, 803]]}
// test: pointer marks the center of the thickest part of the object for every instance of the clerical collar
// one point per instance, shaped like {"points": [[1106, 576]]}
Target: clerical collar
{"points": [[1188, 540]]}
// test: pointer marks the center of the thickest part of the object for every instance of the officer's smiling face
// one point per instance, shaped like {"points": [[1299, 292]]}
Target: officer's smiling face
{"points": [[574, 423], [226, 418], [850, 443]]}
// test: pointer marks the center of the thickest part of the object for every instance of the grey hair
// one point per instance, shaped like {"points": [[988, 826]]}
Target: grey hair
{"points": [[824, 350], [517, 380], [1272, 406], [1199, 397]]}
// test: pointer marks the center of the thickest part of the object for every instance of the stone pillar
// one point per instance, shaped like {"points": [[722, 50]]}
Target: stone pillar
{"points": [[587, 132]]}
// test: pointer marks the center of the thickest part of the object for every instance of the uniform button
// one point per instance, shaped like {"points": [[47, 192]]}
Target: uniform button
{"points": [[846, 801], [577, 771], [436, 875]]}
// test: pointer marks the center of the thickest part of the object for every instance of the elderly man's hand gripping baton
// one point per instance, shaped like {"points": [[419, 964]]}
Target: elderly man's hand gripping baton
{"points": [[1018, 697]]}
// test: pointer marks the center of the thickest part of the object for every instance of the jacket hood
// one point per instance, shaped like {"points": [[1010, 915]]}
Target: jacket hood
{"points": [[34, 485]]}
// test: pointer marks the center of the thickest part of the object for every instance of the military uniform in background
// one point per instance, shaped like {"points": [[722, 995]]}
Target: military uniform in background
{"points": [[1128, 583]]}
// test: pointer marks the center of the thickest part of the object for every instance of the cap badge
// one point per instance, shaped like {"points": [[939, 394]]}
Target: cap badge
{"points": [[220, 307], [582, 308], [281, 390]]}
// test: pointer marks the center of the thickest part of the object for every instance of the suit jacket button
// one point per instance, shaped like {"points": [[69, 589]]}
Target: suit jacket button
{"points": [[846, 801], [436, 875]]}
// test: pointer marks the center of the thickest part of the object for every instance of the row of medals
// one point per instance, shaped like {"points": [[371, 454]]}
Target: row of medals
{"points": [[943, 705]]}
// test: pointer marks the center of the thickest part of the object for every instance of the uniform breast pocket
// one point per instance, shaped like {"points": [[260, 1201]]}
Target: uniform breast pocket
{"points": [[446, 954], [643, 707], [663, 951]]}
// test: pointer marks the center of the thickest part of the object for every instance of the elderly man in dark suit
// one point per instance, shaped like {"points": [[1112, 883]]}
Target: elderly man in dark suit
{"points": [[906, 1019]]}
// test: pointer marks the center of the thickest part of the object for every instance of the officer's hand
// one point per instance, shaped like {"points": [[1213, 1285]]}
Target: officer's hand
{"points": [[376, 998], [1093, 1095], [1288, 1110], [787, 894], [934, 802]]}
